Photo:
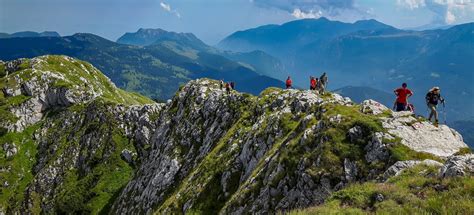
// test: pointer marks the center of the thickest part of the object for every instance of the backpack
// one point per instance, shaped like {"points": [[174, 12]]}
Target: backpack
{"points": [[432, 98]]}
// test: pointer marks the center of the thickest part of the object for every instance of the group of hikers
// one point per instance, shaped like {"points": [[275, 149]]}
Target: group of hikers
{"points": [[316, 84], [433, 98], [229, 86]]}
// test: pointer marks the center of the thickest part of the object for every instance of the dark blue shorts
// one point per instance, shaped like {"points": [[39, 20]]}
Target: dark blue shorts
{"points": [[401, 106]]}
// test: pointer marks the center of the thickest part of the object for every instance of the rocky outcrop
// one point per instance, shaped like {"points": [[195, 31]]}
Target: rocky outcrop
{"points": [[462, 165], [398, 167], [373, 107], [415, 133], [46, 86], [236, 154]]}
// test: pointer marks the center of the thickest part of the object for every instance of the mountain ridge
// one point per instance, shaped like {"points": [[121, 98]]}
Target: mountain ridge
{"points": [[30, 34], [205, 151], [156, 70]]}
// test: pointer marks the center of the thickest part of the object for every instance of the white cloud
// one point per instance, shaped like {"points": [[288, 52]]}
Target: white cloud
{"points": [[446, 11], [412, 4], [314, 8], [435, 75], [297, 13], [167, 7]]}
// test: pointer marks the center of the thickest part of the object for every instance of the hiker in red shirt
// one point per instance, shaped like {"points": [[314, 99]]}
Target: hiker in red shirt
{"points": [[402, 97], [312, 83], [288, 82]]}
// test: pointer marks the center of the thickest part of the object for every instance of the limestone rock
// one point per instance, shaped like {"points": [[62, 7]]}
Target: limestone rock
{"points": [[422, 136], [10, 150], [398, 167], [127, 156], [372, 107], [376, 149], [462, 165]]}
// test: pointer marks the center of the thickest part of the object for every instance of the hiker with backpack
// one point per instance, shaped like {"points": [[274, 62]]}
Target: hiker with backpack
{"points": [[323, 81], [312, 83], [433, 97], [402, 93], [289, 83], [232, 85]]}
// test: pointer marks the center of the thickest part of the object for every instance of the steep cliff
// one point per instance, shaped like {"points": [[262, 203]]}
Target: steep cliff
{"points": [[74, 143]]}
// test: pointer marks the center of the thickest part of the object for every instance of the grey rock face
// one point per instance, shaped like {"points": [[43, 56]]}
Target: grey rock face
{"points": [[42, 92], [462, 165], [50, 168], [9, 149], [350, 169], [127, 156], [376, 149]]}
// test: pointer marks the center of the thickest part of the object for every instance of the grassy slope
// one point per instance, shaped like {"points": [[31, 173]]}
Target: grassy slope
{"points": [[416, 191]]}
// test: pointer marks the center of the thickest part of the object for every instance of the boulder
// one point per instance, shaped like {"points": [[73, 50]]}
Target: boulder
{"points": [[126, 155], [372, 107], [10, 150], [462, 165], [398, 167], [422, 136]]}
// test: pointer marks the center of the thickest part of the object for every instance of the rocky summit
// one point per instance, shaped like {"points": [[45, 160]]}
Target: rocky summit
{"points": [[74, 143]]}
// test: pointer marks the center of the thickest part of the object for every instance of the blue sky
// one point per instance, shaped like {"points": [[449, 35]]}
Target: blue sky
{"points": [[212, 20]]}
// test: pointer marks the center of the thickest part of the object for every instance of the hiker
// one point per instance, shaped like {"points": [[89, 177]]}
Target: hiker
{"points": [[312, 83], [227, 87], [432, 98], [232, 85], [221, 84], [288, 83], [402, 93], [323, 81]]}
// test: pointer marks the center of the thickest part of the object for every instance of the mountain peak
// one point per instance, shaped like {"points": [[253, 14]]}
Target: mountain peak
{"points": [[149, 36], [372, 23], [51, 82]]}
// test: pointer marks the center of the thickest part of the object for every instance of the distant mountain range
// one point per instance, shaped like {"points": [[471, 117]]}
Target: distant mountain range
{"points": [[373, 54], [187, 42], [30, 34], [156, 68]]}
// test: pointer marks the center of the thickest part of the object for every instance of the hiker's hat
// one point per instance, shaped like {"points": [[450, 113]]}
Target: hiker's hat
{"points": [[434, 89]]}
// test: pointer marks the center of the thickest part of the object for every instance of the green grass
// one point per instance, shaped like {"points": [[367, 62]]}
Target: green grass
{"points": [[2, 70], [416, 191], [464, 151], [94, 191], [21, 164], [400, 152]]}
